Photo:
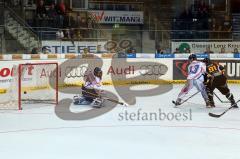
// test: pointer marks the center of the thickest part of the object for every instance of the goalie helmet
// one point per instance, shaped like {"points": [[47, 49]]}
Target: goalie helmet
{"points": [[98, 72]]}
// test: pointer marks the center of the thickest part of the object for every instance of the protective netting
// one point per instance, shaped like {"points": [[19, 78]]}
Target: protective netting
{"points": [[30, 84]]}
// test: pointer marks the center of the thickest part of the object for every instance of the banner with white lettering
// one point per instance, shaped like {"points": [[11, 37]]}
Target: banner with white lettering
{"points": [[114, 70], [119, 17]]}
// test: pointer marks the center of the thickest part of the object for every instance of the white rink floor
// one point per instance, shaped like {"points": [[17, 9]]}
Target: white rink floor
{"points": [[37, 133]]}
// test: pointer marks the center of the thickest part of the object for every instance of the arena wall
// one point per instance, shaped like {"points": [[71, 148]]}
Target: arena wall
{"points": [[116, 71]]}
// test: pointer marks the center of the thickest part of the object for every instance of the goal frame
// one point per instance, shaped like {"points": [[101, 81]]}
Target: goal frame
{"points": [[20, 66]]}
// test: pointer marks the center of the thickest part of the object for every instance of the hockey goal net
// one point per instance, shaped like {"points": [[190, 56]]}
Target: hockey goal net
{"points": [[31, 83]]}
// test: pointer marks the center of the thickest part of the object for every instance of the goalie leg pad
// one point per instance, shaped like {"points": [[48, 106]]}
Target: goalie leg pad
{"points": [[97, 102], [80, 101]]}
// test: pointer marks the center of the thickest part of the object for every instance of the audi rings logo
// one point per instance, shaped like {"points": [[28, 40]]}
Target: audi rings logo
{"points": [[76, 72], [153, 70]]}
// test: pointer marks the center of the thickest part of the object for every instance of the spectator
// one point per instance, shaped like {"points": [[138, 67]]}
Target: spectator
{"points": [[78, 34], [49, 2], [113, 51], [41, 10], [187, 15], [222, 50], [132, 51], [28, 3], [45, 50], [203, 15], [52, 15], [68, 21], [86, 51], [78, 20], [132, 7], [122, 53], [83, 26], [41, 13], [226, 27], [176, 51], [61, 10], [208, 51], [66, 33], [235, 51], [203, 9], [69, 34], [35, 50], [159, 50], [72, 34], [90, 26], [214, 28], [99, 49], [186, 19], [83, 23], [188, 50], [60, 34], [13, 3]]}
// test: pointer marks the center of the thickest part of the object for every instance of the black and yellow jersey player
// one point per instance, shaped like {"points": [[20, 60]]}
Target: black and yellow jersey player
{"points": [[215, 78]]}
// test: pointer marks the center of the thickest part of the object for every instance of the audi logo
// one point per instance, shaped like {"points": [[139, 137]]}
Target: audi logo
{"points": [[153, 70], [76, 72]]}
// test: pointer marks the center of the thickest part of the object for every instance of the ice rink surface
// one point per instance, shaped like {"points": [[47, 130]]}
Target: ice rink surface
{"points": [[37, 133]]}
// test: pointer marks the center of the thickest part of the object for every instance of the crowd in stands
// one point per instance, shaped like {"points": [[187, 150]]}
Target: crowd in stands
{"points": [[59, 16], [194, 22], [204, 24], [55, 14]]}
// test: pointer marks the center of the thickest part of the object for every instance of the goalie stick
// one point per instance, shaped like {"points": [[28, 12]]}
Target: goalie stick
{"points": [[106, 98], [174, 102], [219, 115]]}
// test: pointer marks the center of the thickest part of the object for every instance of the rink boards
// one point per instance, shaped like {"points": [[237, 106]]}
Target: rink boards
{"points": [[119, 71]]}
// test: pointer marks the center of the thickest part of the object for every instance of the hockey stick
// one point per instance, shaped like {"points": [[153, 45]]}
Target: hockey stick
{"points": [[220, 98], [174, 102], [219, 115], [106, 98]]}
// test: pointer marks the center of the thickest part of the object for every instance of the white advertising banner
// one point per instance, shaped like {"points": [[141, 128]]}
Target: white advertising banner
{"points": [[63, 47], [200, 47], [118, 17], [72, 71], [7, 73]]}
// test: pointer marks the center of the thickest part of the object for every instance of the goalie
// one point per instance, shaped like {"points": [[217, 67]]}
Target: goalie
{"points": [[91, 89], [215, 78]]}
